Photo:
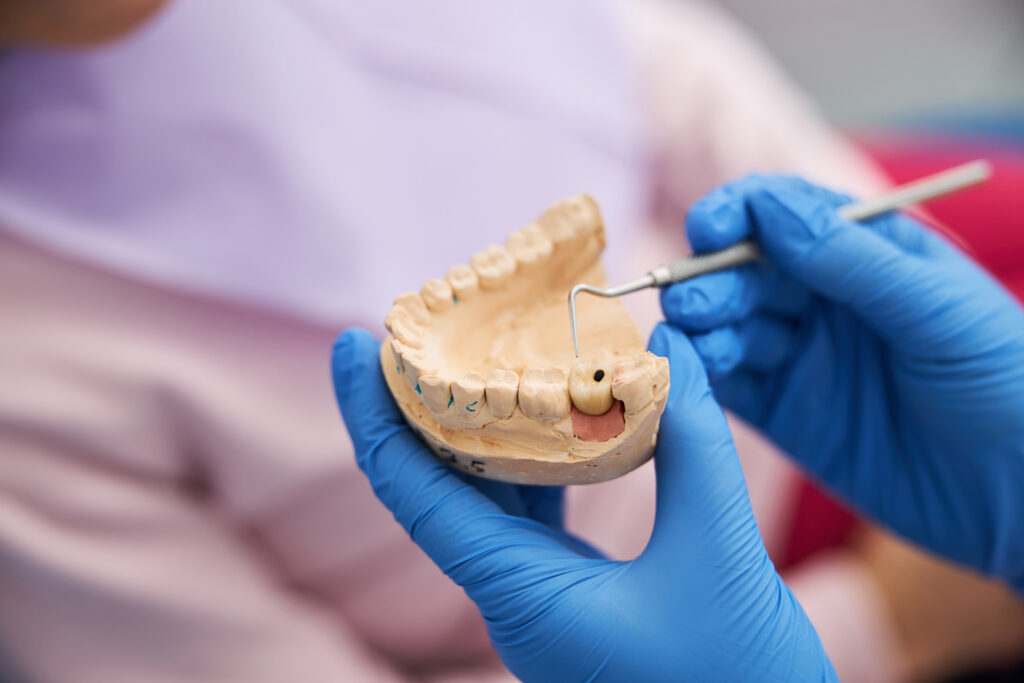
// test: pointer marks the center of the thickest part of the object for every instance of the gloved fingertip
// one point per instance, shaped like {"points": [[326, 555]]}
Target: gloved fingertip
{"points": [[720, 350], [688, 380], [685, 300], [353, 352], [350, 345], [671, 299], [795, 210], [660, 340], [717, 220], [361, 391]]}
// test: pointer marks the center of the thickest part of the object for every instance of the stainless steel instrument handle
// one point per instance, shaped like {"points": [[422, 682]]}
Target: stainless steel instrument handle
{"points": [[688, 267]]}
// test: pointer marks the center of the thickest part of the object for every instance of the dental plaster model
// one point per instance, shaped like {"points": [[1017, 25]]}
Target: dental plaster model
{"points": [[481, 362]]}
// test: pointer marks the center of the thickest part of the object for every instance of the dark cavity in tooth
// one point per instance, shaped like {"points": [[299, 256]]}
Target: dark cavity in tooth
{"points": [[599, 375]]}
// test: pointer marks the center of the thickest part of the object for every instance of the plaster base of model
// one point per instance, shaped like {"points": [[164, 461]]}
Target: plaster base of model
{"points": [[480, 362]]}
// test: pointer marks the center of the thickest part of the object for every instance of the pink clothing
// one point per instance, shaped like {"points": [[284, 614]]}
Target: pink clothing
{"points": [[178, 499], [179, 502]]}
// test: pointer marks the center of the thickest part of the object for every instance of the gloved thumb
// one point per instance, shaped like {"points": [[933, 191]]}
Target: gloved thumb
{"points": [[889, 287], [702, 497], [464, 531]]}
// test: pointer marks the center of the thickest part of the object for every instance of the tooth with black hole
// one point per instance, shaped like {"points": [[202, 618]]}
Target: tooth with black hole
{"points": [[517, 337], [590, 388], [544, 393], [464, 282], [494, 267], [468, 393], [529, 246], [437, 295], [437, 393], [502, 387]]}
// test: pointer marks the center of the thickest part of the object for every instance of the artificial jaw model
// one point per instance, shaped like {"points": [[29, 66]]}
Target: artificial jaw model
{"points": [[481, 361]]}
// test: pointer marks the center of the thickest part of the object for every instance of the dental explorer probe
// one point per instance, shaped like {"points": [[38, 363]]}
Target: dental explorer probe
{"points": [[745, 251]]}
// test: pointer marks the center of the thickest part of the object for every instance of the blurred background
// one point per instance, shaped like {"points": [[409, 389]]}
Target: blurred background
{"points": [[196, 195], [909, 62], [917, 84]]}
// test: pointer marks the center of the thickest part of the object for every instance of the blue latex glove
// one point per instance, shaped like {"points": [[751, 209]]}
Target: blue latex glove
{"points": [[703, 601], [878, 355]]}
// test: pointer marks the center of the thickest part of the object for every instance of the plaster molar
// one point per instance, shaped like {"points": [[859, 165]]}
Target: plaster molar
{"points": [[481, 362], [438, 295], [494, 267]]}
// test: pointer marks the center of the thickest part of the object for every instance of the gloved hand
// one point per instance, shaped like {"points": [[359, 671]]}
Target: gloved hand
{"points": [[886, 362], [703, 601]]}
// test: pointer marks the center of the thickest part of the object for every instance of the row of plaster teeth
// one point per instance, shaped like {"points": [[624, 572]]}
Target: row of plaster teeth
{"points": [[543, 394], [493, 267]]}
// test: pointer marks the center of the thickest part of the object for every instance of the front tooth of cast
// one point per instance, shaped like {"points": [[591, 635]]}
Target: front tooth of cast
{"points": [[399, 322], [436, 393], [397, 350], [544, 393], [417, 364], [502, 387], [530, 245], [464, 282], [494, 266], [590, 388], [468, 394], [638, 380], [413, 302], [437, 295]]}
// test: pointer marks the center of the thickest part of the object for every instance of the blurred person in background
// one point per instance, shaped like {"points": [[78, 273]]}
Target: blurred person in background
{"points": [[195, 195]]}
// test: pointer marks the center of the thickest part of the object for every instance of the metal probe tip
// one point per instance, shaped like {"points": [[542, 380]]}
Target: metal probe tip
{"points": [[638, 284], [572, 317]]}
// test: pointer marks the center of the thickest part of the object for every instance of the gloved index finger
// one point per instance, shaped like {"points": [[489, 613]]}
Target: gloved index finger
{"points": [[466, 533], [728, 296], [723, 216], [362, 395], [717, 220]]}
